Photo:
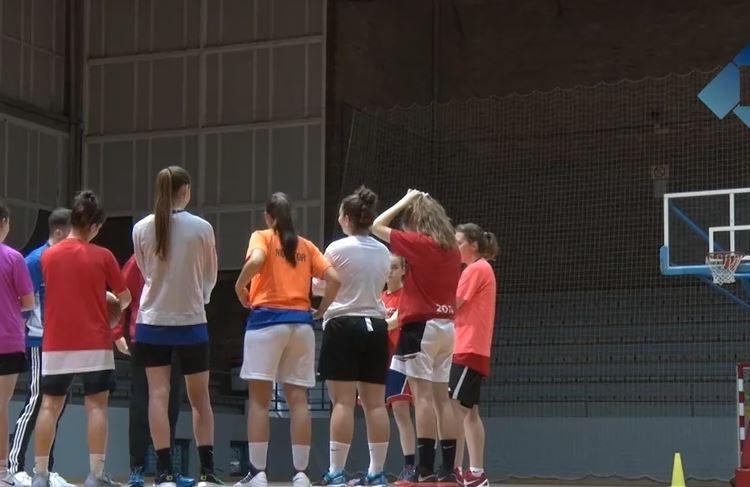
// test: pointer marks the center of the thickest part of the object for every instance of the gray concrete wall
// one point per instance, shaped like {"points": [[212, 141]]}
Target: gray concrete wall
{"points": [[530, 447]]}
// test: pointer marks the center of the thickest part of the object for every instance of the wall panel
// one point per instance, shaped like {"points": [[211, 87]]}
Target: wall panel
{"points": [[231, 89]]}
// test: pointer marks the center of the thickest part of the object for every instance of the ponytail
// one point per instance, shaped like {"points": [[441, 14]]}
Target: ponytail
{"points": [[163, 212], [280, 209], [490, 249], [486, 241], [169, 182]]}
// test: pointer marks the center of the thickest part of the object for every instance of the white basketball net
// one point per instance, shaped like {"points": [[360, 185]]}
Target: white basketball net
{"points": [[723, 265]]}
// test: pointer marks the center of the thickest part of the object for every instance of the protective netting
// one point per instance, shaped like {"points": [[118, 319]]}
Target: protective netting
{"points": [[571, 183]]}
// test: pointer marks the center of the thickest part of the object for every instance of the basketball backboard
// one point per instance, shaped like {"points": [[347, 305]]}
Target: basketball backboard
{"points": [[699, 222]]}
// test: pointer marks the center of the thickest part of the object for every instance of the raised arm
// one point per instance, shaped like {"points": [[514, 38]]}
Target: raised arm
{"points": [[380, 227]]}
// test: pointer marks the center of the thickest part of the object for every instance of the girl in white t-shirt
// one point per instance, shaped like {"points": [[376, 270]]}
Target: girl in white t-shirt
{"points": [[354, 351], [176, 253]]}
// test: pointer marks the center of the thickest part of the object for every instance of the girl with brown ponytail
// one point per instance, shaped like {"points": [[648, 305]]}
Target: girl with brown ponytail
{"points": [[176, 253]]}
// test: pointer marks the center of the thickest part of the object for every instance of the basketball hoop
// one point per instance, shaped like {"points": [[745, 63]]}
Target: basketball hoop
{"points": [[723, 265]]}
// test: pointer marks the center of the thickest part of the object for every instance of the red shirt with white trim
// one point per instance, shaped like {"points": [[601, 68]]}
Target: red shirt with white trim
{"points": [[77, 335], [430, 285]]}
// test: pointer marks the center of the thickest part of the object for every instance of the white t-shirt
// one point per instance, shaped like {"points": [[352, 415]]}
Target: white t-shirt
{"points": [[363, 265], [176, 290]]}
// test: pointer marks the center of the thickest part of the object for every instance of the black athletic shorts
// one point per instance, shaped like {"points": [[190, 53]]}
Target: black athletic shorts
{"points": [[93, 383], [193, 358], [465, 385], [354, 348], [12, 363]]}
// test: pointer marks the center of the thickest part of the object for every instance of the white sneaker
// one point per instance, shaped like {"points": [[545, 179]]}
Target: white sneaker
{"points": [[22, 479], [250, 480], [57, 480], [300, 480], [7, 480]]}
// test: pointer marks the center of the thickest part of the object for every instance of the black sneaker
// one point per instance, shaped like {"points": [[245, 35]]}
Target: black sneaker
{"points": [[209, 480], [165, 480], [448, 480]]}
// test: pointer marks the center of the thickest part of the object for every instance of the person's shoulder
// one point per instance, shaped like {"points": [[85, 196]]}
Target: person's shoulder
{"points": [[339, 244], [379, 250], [200, 225], [398, 233], [143, 223], [379, 245], [198, 221], [479, 269], [145, 220], [99, 251], [59, 248], [265, 235], [485, 268], [411, 236], [36, 254], [308, 244], [11, 253]]}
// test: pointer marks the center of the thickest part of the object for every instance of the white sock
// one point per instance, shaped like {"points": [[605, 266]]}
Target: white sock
{"points": [[476, 471], [300, 457], [41, 465], [96, 463], [338, 454], [378, 452], [258, 453]]}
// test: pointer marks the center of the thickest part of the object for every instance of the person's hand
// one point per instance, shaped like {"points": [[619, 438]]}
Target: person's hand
{"points": [[412, 194], [317, 314], [122, 346]]}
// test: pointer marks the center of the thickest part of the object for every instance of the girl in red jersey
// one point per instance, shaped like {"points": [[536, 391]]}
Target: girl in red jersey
{"points": [[397, 392], [475, 321], [77, 335], [425, 346], [16, 295]]}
